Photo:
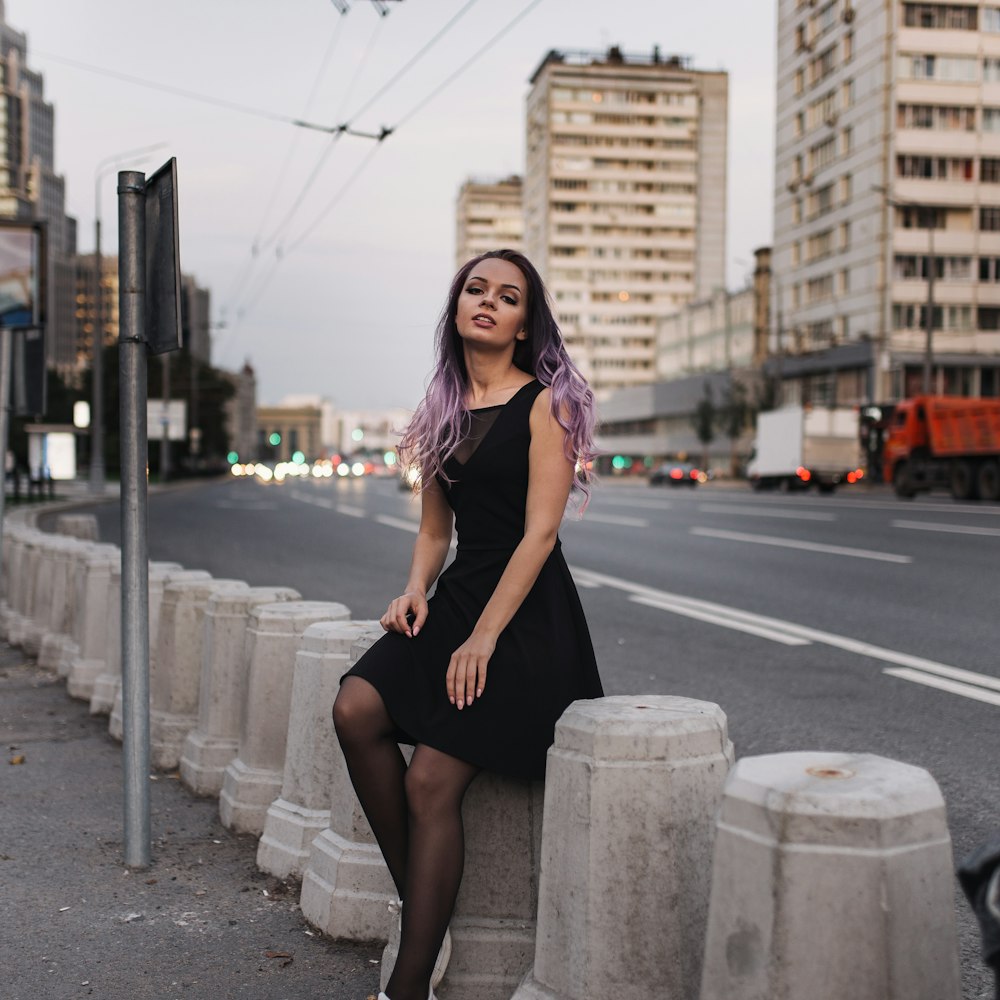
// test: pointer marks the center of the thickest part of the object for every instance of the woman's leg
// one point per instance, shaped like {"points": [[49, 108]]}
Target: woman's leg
{"points": [[435, 786], [377, 768]]}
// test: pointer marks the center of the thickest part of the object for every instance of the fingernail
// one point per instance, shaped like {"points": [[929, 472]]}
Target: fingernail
{"points": [[415, 631], [469, 700], [451, 699], [461, 705], [479, 692]]}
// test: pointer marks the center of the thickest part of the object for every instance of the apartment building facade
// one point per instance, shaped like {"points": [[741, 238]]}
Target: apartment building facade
{"points": [[489, 215], [887, 172], [31, 189], [624, 199]]}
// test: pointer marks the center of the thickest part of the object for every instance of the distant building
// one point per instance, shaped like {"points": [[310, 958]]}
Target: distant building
{"points": [[31, 189], [489, 215], [284, 430], [196, 328], [887, 166], [195, 309], [87, 322], [371, 431], [625, 200], [241, 413]]}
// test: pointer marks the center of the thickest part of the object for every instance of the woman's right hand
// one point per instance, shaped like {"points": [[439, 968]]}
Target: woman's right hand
{"points": [[406, 614]]}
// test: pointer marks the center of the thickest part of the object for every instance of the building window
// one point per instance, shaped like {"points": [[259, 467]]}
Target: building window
{"points": [[937, 15], [991, 70], [991, 19], [913, 267], [989, 270], [989, 318], [932, 67], [989, 220], [937, 168], [936, 116], [989, 170], [921, 217]]}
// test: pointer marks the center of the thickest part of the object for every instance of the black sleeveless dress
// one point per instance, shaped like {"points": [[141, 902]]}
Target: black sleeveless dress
{"points": [[544, 658]]}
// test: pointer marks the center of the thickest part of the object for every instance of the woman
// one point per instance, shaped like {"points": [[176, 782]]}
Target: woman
{"points": [[476, 676]]}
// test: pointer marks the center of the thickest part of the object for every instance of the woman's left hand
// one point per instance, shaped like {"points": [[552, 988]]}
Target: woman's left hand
{"points": [[466, 678]]}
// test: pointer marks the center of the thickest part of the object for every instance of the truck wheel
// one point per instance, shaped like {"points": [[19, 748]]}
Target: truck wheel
{"points": [[902, 481], [963, 480], [988, 480]]}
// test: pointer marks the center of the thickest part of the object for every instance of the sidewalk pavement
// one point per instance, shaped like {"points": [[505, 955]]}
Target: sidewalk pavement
{"points": [[201, 922]]}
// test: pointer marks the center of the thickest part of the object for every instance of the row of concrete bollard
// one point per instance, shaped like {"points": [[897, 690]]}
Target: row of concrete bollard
{"points": [[648, 864]]}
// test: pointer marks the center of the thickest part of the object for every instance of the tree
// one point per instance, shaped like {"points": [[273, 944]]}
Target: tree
{"points": [[734, 415], [703, 421]]}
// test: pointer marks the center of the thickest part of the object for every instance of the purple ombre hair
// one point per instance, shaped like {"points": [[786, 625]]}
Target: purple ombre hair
{"points": [[442, 419]]}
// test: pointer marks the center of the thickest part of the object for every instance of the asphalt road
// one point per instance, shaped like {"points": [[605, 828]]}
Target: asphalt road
{"points": [[854, 622]]}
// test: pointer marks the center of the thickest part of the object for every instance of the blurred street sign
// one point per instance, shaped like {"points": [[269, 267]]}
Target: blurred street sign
{"points": [[172, 415], [29, 395], [163, 264], [22, 311]]}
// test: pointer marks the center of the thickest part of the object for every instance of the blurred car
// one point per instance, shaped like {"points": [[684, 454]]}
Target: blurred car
{"points": [[676, 474]]}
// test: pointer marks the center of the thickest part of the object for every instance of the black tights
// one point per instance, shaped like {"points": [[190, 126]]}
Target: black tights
{"points": [[415, 813]]}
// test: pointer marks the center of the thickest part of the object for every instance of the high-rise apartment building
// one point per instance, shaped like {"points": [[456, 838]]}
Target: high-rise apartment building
{"points": [[30, 187], [887, 173], [489, 215], [625, 200], [87, 322]]}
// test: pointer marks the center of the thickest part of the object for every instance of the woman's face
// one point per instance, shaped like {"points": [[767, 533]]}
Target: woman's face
{"points": [[492, 306]]}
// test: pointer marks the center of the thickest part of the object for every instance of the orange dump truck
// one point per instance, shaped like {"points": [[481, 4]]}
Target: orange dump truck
{"points": [[945, 441]]}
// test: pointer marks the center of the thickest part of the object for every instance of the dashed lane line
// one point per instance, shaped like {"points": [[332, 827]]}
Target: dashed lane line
{"points": [[957, 678], [626, 522], [794, 543], [398, 522], [796, 515], [343, 508], [954, 529], [942, 684]]}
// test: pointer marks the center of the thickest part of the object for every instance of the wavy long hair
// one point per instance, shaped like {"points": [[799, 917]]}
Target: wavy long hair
{"points": [[442, 419]]}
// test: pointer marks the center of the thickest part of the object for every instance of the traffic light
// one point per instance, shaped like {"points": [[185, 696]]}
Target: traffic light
{"points": [[274, 439], [232, 458]]}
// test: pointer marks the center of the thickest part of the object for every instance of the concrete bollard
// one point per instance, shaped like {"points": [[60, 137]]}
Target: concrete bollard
{"points": [[253, 780], [632, 788], [93, 589], [213, 744], [21, 579], [175, 682], [832, 878], [40, 595], [346, 886], [493, 927], [302, 811], [107, 684], [157, 585], [57, 640], [81, 526], [14, 537]]}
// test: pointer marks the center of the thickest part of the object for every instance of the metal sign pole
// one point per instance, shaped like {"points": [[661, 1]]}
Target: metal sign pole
{"points": [[134, 524]]}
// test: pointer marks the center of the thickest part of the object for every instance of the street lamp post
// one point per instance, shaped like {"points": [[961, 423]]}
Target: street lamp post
{"points": [[97, 471]]}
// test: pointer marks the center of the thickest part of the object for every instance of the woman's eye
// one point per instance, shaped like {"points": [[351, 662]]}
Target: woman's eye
{"points": [[474, 290], [510, 300]]}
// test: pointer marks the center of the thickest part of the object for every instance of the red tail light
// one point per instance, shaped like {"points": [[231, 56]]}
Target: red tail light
{"points": [[804, 474], [676, 474]]}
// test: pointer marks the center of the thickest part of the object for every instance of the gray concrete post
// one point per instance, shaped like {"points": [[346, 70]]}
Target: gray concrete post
{"points": [[632, 788], [346, 887], [302, 811], [156, 586], [211, 746], [95, 584], [175, 681], [58, 635], [253, 780], [832, 878]]}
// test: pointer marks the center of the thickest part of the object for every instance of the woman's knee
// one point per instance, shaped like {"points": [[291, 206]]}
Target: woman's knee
{"points": [[434, 782], [358, 710]]}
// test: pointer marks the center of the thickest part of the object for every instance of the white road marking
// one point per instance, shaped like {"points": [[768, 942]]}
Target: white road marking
{"points": [[792, 543], [398, 522], [955, 529], [637, 502], [676, 602], [343, 508], [800, 515], [953, 687], [315, 501], [627, 522], [246, 505], [719, 619]]}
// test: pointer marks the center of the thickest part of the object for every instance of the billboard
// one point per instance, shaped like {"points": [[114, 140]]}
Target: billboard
{"points": [[22, 274]]}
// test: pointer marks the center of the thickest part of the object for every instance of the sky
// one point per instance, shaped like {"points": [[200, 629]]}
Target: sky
{"points": [[354, 238]]}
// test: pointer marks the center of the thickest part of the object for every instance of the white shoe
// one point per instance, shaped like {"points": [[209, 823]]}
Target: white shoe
{"points": [[444, 954]]}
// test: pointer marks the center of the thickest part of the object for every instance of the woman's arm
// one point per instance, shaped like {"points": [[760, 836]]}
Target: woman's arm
{"points": [[429, 553], [550, 478]]}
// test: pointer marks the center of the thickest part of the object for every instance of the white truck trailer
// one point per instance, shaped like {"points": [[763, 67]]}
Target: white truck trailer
{"points": [[802, 446]]}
